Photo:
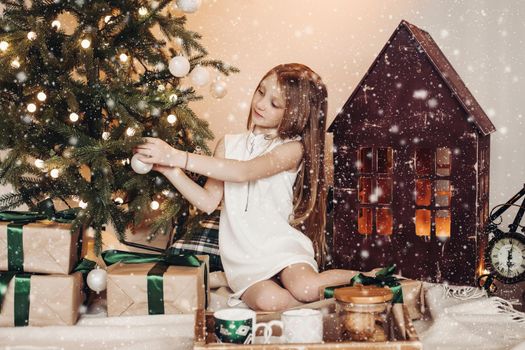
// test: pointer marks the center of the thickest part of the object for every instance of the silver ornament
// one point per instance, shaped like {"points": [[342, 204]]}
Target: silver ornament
{"points": [[179, 66], [188, 6], [97, 280], [218, 89], [200, 76], [140, 167]]}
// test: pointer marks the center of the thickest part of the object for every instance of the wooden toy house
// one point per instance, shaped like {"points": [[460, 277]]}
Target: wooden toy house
{"points": [[411, 166]]}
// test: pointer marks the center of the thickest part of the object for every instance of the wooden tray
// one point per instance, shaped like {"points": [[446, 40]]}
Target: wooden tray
{"points": [[205, 338]]}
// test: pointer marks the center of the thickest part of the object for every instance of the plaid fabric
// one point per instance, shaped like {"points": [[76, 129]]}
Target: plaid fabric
{"points": [[200, 235]]}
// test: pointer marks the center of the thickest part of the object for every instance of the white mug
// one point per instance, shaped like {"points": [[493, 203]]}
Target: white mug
{"points": [[301, 326], [238, 325]]}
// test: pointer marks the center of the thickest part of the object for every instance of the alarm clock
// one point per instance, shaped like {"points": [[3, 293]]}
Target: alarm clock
{"points": [[505, 257]]}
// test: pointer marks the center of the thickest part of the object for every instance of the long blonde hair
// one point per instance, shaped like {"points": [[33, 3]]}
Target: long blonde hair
{"points": [[305, 115]]}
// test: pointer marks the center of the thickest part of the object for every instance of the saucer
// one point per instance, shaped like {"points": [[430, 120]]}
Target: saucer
{"points": [[273, 340]]}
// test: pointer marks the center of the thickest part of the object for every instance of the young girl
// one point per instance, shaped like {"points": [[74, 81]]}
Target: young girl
{"points": [[272, 179]]}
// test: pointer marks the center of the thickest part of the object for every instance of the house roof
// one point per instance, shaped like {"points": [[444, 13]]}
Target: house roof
{"points": [[444, 69]]}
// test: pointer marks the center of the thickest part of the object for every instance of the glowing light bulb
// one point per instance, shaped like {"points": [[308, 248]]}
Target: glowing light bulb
{"points": [[123, 58], [41, 96], [143, 11], [119, 200], [4, 45], [82, 204], [166, 192], [154, 205], [39, 163], [54, 173], [130, 131], [173, 98], [85, 43], [171, 119], [31, 36], [107, 19], [56, 24], [73, 117], [105, 135], [31, 107], [15, 63]]}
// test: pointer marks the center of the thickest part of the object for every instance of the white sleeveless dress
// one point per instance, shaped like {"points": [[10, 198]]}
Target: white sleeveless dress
{"points": [[256, 240]]}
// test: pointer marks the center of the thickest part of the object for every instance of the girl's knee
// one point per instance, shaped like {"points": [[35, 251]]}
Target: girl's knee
{"points": [[302, 282], [268, 299], [305, 291]]}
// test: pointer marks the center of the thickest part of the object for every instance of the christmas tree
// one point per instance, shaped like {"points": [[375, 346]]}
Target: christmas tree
{"points": [[74, 105]]}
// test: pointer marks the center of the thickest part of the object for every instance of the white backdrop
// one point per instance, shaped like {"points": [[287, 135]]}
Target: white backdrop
{"points": [[339, 39]]}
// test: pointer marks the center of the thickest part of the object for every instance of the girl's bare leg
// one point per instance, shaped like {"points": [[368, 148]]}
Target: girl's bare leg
{"points": [[268, 296], [303, 282]]}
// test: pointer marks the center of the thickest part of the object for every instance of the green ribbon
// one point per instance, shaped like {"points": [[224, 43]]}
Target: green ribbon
{"points": [[15, 242], [15, 247], [155, 274], [156, 288], [22, 291], [114, 256], [383, 277]]}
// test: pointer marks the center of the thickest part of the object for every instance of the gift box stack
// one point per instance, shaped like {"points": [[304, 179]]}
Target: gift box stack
{"points": [[37, 286]]}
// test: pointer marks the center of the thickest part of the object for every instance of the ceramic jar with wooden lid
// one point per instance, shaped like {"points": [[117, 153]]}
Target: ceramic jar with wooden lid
{"points": [[363, 312]]}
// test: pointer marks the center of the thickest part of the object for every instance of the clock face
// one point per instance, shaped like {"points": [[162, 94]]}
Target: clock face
{"points": [[506, 256]]}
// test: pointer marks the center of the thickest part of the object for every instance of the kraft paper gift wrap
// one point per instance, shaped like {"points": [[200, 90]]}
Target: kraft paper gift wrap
{"points": [[184, 289], [54, 300], [47, 247]]}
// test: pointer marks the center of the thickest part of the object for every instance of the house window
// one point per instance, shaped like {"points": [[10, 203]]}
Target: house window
{"points": [[375, 186], [433, 192]]}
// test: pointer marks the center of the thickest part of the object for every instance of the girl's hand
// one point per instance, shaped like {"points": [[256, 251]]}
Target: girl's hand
{"points": [[159, 152]]}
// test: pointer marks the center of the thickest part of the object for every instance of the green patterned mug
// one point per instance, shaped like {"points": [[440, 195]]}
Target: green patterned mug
{"points": [[237, 325]]}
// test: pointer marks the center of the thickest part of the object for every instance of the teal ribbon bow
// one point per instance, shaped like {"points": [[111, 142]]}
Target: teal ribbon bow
{"points": [[155, 274], [383, 278], [17, 219]]}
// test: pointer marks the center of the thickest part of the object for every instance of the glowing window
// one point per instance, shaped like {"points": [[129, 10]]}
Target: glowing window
{"points": [[423, 192], [443, 193], [384, 190], [364, 221], [384, 221], [423, 222], [365, 160], [365, 189], [443, 223], [424, 161]]}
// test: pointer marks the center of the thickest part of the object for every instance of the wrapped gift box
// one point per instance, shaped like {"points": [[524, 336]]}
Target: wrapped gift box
{"points": [[46, 247], [53, 300], [184, 288], [413, 296]]}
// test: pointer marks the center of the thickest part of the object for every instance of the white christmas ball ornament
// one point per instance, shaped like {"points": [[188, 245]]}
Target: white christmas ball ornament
{"points": [[97, 280], [189, 6], [218, 89], [140, 167], [200, 76], [179, 66]]}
